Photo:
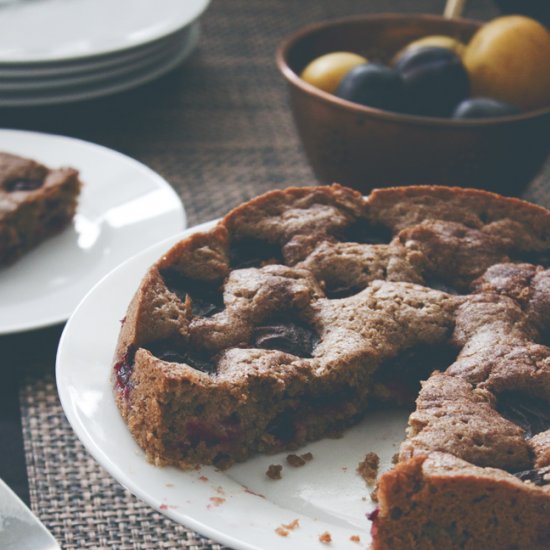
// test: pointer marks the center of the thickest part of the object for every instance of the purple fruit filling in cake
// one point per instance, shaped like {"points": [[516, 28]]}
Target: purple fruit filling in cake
{"points": [[285, 335], [537, 476], [23, 185], [252, 252], [123, 372], [206, 297], [530, 413], [168, 351]]}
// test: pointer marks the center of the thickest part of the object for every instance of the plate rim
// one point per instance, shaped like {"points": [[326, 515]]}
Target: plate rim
{"points": [[109, 64], [200, 8], [52, 320]]}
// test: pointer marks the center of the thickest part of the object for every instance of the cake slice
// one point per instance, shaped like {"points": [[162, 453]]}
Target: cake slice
{"points": [[474, 469], [35, 203], [440, 502]]}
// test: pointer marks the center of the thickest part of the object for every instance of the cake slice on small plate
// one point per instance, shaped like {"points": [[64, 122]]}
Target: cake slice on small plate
{"points": [[36, 202]]}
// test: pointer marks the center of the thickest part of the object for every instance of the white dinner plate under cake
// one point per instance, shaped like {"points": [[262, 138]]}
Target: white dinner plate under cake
{"points": [[124, 207], [239, 507]]}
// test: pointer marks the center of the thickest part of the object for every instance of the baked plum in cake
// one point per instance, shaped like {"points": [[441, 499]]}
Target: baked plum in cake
{"points": [[304, 307], [35, 203]]}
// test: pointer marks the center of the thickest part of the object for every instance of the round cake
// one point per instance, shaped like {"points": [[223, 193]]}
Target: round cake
{"points": [[304, 308]]}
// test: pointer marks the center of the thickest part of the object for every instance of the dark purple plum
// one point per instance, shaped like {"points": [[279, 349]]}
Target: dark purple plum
{"points": [[434, 80], [483, 107], [373, 85]]}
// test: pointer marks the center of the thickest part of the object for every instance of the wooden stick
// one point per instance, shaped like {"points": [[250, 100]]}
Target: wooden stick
{"points": [[454, 8]]}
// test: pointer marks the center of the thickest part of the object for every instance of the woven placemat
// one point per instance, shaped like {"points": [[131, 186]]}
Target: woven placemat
{"points": [[219, 130]]}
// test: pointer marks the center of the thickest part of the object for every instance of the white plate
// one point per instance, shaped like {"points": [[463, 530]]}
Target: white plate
{"points": [[324, 495], [59, 30], [50, 71], [53, 69], [80, 92], [124, 207], [124, 70]]}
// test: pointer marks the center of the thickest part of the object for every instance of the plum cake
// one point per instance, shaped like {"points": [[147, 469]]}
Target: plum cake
{"points": [[35, 203], [305, 307]]}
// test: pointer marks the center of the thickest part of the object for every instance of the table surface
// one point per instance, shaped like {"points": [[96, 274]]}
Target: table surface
{"points": [[219, 130]]}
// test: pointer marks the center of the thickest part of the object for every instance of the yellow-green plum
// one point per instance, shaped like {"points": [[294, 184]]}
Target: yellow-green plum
{"points": [[509, 59], [327, 71]]}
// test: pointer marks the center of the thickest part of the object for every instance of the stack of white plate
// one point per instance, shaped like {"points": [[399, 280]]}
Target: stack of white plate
{"points": [[58, 51]]}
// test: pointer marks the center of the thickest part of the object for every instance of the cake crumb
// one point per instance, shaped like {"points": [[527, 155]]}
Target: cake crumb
{"points": [[216, 501], [395, 458], [203, 478], [295, 461], [274, 471], [368, 469], [374, 493], [292, 525], [308, 457], [325, 538], [355, 538], [284, 529]]}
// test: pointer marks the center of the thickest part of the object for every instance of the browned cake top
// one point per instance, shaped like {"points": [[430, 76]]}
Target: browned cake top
{"points": [[322, 283]]}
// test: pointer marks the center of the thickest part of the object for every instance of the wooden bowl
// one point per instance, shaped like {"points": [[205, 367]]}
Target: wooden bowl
{"points": [[364, 147]]}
